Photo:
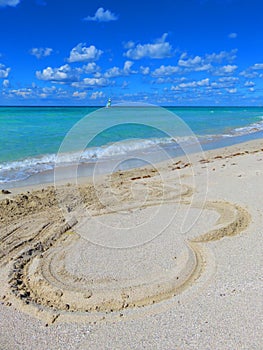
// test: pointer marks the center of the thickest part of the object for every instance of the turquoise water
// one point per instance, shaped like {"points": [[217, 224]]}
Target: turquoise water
{"points": [[32, 136]]}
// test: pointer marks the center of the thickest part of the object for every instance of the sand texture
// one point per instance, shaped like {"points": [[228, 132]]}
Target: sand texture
{"points": [[167, 257]]}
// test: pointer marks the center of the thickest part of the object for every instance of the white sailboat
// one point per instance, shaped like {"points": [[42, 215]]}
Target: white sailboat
{"points": [[108, 105]]}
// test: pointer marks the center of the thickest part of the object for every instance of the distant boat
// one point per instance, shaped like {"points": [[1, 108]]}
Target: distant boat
{"points": [[108, 105]]}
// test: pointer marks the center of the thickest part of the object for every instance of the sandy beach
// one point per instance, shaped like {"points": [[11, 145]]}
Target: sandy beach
{"points": [[163, 257]]}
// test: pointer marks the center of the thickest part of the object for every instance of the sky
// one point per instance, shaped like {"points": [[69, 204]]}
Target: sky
{"points": [[164, 52]]}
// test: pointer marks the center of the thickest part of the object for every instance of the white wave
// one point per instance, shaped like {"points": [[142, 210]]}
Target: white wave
{"points": [[249, 129], [22, 169]]}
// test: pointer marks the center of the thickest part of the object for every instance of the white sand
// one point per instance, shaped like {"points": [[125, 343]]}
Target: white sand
{"points": [[126, 252]]}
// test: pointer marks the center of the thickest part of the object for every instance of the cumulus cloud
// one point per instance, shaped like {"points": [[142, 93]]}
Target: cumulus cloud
{"points": [[228, 56], [24, 92], [228, 69], [91, 68], [81, 95], [38, 92], [192, 84], [97, 95], [257, 66], [145, 70], [127, 67], [129, 44], [232, 91], [113, 72], [40, 52], [228, 79], [165, 71], [196, 63], [206, 62], [252, 71], [232, 35], [91, 82], [249, 74], [162, 80], [4, 72], [81, 53], [118, 72], [6, 83], [249, 84], [102, 15], [160, 49], [62, 74], [190, 62], [12, 3]]}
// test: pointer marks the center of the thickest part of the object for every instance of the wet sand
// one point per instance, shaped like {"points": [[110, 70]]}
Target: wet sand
{"points": [[167, 256]]}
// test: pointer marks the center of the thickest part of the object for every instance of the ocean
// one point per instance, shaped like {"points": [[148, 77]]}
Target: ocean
{"points": [[36, 139]]}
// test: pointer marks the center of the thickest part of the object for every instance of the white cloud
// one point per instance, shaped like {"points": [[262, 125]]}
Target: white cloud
{"points": [[203, 67], [192, 84], [249, 74], [199, 64], [6, 83], [81, 53], [102, 15], [49, 90], [91, 68], [12, 3], [221, 56], [196, 64], [249, 84], [232, 35], [96, 95], [25, 93], [81, 95], [252, 71], [191, 62], [145, 70], [162, 80], [113, 72], [62, 74], [40, 52], [232, 91], [91, 82], [127, 67], [160, 49], [228, 69], [38, 92], [4, 71], [165, 71], [117, 72], [129, 44], [228, 79], [257, 66], [175, 88]]}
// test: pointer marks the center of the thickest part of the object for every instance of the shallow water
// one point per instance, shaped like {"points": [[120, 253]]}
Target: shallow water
{"points": [[31, 137]]}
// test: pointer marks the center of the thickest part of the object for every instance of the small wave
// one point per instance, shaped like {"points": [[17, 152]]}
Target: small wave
{"points": [[249, 129], [23, 169]]}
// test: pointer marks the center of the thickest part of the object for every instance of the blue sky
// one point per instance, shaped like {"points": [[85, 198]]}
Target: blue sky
{"points": [[167, 52]]}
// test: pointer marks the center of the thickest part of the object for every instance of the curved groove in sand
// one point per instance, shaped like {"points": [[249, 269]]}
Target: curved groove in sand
{"points": [[37, 280]]}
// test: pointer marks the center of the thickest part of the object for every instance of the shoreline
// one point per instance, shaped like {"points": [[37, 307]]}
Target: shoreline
{"points": [[154, 154], [174, 245], [35, 183]]}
